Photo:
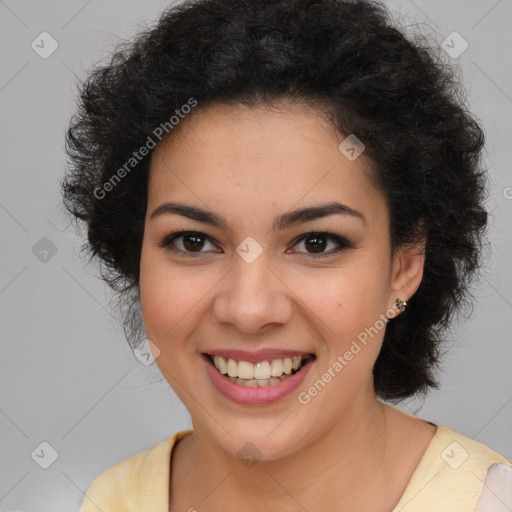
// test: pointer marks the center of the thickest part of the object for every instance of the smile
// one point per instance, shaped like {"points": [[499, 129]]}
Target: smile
{"points": [[257, 382], [261, 374]]}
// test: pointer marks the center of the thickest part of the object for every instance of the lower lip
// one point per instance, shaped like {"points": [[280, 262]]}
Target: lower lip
{"points": [[248, 395]]}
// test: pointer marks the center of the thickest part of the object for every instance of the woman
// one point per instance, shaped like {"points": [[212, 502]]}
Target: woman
{"points": [[291, 191]]}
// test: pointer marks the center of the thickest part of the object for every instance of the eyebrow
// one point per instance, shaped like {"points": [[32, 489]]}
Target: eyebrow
{"points": [[284, 221]]}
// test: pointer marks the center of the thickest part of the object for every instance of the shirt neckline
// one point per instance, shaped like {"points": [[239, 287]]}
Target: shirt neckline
{"points": [[155, 483], [423, 470]]}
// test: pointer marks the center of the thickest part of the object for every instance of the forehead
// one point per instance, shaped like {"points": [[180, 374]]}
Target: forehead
{"points": [[233, 156]]}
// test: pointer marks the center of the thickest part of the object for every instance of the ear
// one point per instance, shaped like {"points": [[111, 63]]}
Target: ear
{"points": [[407, 272]]}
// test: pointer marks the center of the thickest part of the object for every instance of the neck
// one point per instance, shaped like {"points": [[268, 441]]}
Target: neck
{"points": [[343, 453]]}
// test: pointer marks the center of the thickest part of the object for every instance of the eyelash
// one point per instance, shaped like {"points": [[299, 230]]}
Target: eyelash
{"points": [[342, 243]]}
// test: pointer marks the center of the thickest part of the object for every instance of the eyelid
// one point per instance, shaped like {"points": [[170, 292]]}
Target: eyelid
{"points": [[341, 242]]}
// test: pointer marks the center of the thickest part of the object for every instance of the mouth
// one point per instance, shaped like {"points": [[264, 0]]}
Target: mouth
{"points": [[260, 374]]}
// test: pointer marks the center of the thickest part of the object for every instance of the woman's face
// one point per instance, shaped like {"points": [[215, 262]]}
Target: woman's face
{"points": [[261, 287]]}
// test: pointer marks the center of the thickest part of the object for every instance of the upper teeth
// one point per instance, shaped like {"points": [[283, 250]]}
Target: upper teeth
{"points": [[262, 370]]}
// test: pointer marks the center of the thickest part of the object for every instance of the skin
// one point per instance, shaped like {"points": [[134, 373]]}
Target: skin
{"points": [[344, 450]]}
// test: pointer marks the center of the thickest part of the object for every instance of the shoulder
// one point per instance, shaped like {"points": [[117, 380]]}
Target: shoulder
{"points": [[130, 483], [453, 474], [463, 452]]}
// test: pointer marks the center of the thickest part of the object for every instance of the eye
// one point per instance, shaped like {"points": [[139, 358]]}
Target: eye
{"points": [[188, 242], [191, 243], [317, 242]]}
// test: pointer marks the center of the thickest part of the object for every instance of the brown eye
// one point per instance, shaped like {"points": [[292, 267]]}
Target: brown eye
{"points": [[316, 244], [193, 242], [187, 242]]}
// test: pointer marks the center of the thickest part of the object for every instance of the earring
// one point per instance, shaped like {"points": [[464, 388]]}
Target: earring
{"points": [[400, 305]]}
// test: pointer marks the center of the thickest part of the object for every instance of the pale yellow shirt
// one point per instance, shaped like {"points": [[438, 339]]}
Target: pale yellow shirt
{"points": [[451, 477]]}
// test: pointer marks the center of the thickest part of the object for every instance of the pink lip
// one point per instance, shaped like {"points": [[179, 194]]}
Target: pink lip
{"points": [[255, 357], [254, 396]]}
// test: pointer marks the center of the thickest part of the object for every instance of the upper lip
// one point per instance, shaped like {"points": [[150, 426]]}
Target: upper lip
{"points": [[267, 354]]}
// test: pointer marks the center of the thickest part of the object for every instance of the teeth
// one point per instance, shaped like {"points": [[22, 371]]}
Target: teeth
{"points": [[222, 366], [248, 383], [257, 383], [266, 372], [246, 370], [276, 368], [232, 368], [253, 383], [261, 370]]}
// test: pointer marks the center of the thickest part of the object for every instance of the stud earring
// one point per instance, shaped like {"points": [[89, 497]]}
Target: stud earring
{"points": [[400, 305]]}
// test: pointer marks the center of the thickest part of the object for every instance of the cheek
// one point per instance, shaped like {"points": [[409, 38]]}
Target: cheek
{"points": [[348, 315], [174, 299], [165, 297], [345, 301]]}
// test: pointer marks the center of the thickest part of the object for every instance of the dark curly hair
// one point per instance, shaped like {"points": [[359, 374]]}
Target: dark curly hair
{"points": [[393, 92]]}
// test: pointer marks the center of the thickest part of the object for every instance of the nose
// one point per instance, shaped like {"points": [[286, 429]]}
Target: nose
{"points": [[253, 296]]}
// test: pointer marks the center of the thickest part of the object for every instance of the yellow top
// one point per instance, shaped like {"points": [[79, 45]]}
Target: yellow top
{"points": [[450, 477]]}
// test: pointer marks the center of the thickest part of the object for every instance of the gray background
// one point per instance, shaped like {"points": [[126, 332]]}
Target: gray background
{"points": [[68, 377]]}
